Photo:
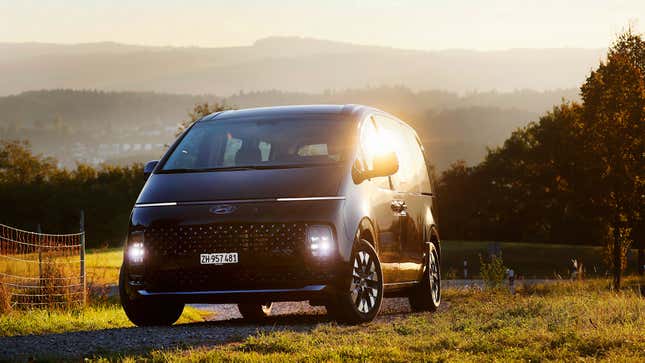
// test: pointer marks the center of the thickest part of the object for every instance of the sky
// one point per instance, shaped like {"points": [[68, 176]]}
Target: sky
{"points": [[412, 24]]}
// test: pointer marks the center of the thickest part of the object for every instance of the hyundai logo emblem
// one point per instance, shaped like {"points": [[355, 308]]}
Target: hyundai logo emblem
{"points": [[223, 209]]}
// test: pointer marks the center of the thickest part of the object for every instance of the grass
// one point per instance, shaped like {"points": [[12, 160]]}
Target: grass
{"points": [[93, 317], [102, 312], [564, 322], [529, 260], [102, 265]]}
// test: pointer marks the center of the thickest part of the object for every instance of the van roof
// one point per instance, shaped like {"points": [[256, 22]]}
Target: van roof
{"points": [[289, 111]]}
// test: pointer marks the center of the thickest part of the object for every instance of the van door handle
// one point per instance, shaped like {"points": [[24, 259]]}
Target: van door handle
{"points": [[399, 206]]}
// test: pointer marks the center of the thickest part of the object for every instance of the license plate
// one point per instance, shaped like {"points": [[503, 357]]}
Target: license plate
{"points": [[218, 258]]}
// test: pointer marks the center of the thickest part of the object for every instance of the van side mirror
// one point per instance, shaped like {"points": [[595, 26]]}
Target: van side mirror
{"points": [[383, 165], [149, 168]]}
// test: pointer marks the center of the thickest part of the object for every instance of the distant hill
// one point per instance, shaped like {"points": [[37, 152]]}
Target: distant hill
{"points": [[121, 127], [285, 63]]}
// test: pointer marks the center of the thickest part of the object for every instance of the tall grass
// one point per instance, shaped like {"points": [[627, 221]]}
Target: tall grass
{"points": [[5, 298], [566, 321]]}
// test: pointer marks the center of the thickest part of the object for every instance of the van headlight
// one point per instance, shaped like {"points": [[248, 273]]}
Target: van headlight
{"points": [[136, 251], [321, 240]]}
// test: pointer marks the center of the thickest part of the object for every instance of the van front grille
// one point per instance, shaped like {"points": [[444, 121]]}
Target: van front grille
{"points": [[257, 239]]}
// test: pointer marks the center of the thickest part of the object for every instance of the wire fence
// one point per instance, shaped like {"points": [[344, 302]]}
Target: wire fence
{"points": [[42, 270]]}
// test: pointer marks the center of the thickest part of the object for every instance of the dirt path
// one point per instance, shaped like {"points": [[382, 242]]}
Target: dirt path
{"points": [[226, 326]]}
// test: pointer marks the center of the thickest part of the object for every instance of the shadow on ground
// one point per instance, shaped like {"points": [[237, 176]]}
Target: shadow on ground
{"points": [[228, 327]]}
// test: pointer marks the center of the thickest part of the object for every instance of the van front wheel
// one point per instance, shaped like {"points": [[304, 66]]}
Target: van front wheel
{"points": [[361, 301], [147, 312]]}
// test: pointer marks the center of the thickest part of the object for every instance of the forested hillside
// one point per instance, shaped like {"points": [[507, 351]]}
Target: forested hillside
{"points": [[97, 126], [285, 63]]}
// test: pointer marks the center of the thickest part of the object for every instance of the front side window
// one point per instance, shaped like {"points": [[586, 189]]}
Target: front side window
{"points": [[263, 143], [372, 143], [412, 175]]}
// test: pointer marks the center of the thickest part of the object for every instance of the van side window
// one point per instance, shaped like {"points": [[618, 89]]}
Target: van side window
{"points": [[424, 177], [368, 134], [412, 176]]}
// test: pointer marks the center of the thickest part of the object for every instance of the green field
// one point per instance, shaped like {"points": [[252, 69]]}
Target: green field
{"points": [[568, 321], [529, 260], [103, 265]]}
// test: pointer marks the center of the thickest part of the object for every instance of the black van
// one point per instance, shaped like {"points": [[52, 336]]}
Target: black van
{"points": [[330, 204]]}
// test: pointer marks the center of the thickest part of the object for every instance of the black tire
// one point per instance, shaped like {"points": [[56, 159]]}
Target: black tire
{"points": [[254, 312], [427, 296], [360, 302], [147, 311]]}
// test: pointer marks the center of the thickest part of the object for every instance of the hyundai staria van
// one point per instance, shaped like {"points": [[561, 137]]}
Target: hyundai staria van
{"points": [[327, 204]]}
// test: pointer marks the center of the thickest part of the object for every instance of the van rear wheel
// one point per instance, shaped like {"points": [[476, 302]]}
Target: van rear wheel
{"points": [[361, 301], [147, 311], [427, 295]]}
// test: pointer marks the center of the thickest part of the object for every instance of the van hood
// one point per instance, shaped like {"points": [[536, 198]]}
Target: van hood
{"points": [[319, 181]]}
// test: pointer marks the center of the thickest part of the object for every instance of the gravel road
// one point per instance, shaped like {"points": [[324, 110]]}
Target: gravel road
{"points": [[226, 326]]}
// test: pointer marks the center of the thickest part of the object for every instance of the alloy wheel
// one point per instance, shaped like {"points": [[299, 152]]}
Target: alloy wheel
{"points": [[365, 287], [434, 278]]}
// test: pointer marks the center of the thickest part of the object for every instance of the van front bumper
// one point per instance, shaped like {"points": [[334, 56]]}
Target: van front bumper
{"points": [[238, 285], [275, 262], [310, 292]]}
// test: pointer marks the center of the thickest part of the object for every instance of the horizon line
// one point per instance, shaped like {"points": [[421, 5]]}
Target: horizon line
{"points": [[288, 37]]}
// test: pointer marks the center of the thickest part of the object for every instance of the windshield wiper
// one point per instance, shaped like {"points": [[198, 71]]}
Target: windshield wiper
{"points": [[243, 167], [199, 170]]}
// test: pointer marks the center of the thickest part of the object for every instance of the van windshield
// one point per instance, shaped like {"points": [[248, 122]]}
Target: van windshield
{"points": [[262, 144]]}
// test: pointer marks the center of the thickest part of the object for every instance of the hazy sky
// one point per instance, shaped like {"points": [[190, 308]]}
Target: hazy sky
{"points": [[419, 24]]}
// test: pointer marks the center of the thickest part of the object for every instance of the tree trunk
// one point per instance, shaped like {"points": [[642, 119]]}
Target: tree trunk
{"points": [[641, 260], [617, 257]]}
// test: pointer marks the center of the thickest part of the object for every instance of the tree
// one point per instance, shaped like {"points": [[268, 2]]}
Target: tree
{"points": [[530, 181], [34, 191], [523, 190], [201, 110], [632, 46], [19, 165], [575, 175], [611, 133], [457, 202]]}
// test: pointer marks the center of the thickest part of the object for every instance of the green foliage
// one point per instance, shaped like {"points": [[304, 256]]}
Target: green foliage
{"points": [[522, 191], [19, 165], [492, 271], [34, 192], [201, 110], [630, 45], [576, 175], [611, 132]]}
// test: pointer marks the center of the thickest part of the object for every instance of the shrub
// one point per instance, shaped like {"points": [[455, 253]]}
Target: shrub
{"points": [[492, 272]]}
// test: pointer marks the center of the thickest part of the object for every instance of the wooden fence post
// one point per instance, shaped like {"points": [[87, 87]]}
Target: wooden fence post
{"points": [[83, 283], [40, 259]]}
